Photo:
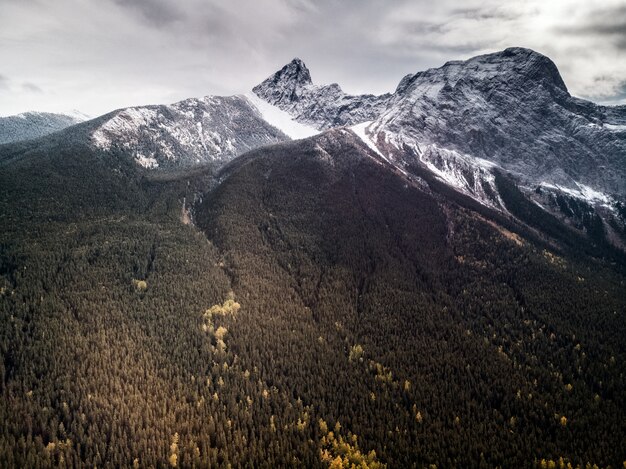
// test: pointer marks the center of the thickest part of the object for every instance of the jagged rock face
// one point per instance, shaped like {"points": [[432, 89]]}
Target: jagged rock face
{"points": [[33, 125], [189, 133], [286, 85], [322, 107], [512, 109]]}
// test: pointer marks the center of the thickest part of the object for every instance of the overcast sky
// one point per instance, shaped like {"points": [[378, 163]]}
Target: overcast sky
{"points": [[99, 55]]}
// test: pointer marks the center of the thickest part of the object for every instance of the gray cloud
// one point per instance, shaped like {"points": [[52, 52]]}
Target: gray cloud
{"points": [[619, 97], [4, 83], [482, 13], [157, 13], [609, 23], [31, 88], [96, 56]]}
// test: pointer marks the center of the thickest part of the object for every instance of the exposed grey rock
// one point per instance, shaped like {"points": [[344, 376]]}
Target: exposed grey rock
{"points": [[510, 108], [322, 107], [186, 134]]}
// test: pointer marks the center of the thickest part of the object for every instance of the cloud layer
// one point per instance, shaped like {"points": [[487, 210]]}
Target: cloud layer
{"points": [[96, 56]]}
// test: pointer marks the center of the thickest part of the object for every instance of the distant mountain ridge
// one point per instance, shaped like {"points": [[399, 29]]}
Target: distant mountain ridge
{"points": [[29, 125]]}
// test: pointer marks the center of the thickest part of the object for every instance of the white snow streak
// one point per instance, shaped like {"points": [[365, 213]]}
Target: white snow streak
{"points": [[582, 192], [359, 129], [281, 119], [615, 127]]}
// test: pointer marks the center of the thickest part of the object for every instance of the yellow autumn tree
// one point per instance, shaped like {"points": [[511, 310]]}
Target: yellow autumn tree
{"points": [[173, 459], [220, 333], [338, 452], [356, 353]]}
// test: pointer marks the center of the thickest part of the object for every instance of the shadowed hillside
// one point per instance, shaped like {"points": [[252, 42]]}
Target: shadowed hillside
{"points": [[326, 309]]}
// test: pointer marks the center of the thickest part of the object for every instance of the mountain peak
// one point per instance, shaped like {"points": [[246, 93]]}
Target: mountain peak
{"points": [[515, 66], [295, 71], [285, 84], [298, 65], [527, 63]]}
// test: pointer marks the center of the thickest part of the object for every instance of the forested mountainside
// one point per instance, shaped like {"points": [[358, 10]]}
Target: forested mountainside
{"points": [[31, 125], [324, 308]]}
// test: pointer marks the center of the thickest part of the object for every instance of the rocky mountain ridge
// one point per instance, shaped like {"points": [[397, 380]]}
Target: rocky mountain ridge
{"points": [[513, 110], [321, 106], [189, 133], [507, 112]]}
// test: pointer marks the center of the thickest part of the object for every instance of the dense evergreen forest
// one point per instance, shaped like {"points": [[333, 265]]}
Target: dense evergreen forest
{"points": [[321, 311]]}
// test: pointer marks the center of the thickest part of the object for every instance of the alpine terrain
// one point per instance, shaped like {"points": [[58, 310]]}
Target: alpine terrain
{"points": [[299, 277]]}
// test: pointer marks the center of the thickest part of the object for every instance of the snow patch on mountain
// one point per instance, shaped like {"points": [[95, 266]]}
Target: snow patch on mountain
{"points": [[615, 127], [125, 123], [280, 119], [147, 162], [321, 106], [472, 176], [583, 192], [361, 131], [192, 132]]}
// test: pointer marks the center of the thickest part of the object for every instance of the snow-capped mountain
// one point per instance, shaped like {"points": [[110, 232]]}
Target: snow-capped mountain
{"points": [[503, 113], [508, 112], [30, 125], [511, 110], [193, 132], [321, 106], [188, 133]]}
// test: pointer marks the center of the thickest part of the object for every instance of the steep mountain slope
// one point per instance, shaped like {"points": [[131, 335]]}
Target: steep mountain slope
{"points": [[510, 109], [437, 323], [186, 134], [332, 306], [507, 112], [31, 125], [323, 107]]}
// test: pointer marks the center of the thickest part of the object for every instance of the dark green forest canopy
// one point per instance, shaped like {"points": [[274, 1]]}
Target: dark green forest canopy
{"points": [[378, 319]]}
